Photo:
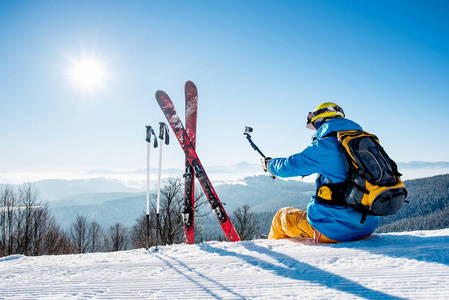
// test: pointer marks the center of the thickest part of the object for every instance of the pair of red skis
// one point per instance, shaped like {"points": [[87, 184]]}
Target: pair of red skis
{"points": [[187, 140]]}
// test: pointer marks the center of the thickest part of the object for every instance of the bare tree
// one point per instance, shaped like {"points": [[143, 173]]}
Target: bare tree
{"points": [[28, 202], [245, 222], [95, 237], [7, 219], [117, 238], [172, 197], [42, 223], [171, 224], [56, 241], [33, 221], [79, 234], [170, 217], [139, 231], [65, 245], [26, 225]]}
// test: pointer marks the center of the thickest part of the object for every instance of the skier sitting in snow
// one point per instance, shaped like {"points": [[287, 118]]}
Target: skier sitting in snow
{"points": [[322, 222]]}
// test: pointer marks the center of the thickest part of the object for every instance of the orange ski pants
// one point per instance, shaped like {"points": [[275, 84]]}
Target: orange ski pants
{"points": [[291, 222]]}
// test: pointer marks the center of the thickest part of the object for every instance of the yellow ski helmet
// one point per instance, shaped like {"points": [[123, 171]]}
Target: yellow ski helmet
{"points": [[324, 110]]}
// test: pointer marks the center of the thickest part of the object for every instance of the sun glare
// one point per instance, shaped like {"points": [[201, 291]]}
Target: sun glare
{"points": [[88, 73]]}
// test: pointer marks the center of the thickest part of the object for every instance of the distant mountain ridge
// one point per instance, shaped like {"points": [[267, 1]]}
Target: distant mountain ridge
{"points": [[423, 165], [139, 171], [121, 181], [429, 207], [245, 167], [260, 192], [92, 199], [242, 167], [54, 189]]}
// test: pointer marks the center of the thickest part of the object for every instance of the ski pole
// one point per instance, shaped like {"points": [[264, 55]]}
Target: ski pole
{"points": [[163, 134], [150, 132], [247, 132]]}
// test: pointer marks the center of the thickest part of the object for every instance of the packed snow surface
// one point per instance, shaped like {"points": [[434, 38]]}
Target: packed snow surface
{"points": [[411, 265]]}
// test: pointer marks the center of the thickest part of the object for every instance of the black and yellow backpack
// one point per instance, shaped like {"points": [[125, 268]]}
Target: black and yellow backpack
{"points": [[373, 185]]}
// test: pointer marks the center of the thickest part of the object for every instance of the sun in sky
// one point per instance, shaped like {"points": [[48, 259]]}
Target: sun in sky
{"points": [[88, 73]]}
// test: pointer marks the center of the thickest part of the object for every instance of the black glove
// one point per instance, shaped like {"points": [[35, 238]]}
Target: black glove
{"points": [[264, 161]]}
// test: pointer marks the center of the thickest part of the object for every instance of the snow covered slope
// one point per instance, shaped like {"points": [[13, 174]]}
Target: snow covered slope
{"points": [[411, 265]]}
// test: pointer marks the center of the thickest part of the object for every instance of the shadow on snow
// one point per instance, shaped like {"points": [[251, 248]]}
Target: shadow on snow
{"points": [[192, 279], [297, 270]]}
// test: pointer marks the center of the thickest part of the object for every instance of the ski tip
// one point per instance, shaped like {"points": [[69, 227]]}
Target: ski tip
{"points": [[190, 83], [161, 94]]}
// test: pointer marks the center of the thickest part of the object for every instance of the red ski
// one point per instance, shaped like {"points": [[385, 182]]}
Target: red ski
{"points": [[188, 207], [186, 144]]}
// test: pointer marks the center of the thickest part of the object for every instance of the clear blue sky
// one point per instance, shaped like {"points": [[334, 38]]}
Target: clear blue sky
{"points": [[265, 64]]}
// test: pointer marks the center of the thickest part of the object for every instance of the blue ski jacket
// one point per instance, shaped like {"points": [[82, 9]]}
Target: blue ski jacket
{"points": [[324, 157]]}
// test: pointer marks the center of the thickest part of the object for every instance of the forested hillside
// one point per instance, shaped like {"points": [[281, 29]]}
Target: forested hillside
{"points": [[265, 194], [262, 193], [428, 207]]}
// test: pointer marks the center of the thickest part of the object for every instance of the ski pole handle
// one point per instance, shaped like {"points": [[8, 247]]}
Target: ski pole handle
{"points": [[150, 132], [163, 133]]}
